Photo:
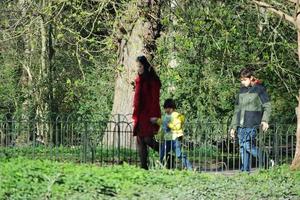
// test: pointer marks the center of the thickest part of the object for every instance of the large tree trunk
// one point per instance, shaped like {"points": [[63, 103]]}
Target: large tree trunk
{"points": [[26, 80], [42, 107], [137, 40], [296, 161], [128, 52]]}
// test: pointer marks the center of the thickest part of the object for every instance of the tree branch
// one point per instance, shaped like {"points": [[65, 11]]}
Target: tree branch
{"points": [[276, 11], [296, 9], [293, 1]]}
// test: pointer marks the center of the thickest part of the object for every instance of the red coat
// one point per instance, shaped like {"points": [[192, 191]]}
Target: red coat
{"points": [[145, 106]]}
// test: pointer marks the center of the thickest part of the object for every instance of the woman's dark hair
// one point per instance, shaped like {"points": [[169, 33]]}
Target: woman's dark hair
{"points": [[247, 72], [149, 71], [169, 103]]}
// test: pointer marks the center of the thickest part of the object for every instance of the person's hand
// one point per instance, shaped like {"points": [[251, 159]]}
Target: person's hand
{"points": [[153, 120], [132, 83], [232, 133], [264, 126]]}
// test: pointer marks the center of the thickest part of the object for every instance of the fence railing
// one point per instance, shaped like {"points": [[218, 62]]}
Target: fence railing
{"points": [[207, 145]]}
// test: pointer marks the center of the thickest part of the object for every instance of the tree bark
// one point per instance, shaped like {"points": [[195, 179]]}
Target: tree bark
{"points": [[140, 40], [128, 52], [39, 93], [42, 93], [298, 36]]}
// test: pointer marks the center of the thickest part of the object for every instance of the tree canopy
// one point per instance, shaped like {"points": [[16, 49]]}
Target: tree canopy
{"points": [[62, 56]]}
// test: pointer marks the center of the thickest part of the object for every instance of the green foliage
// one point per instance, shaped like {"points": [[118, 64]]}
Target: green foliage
{"points": [[8, 85], [103, 155], [209, 42], [79, 72], [35, 179], [206, 43]]}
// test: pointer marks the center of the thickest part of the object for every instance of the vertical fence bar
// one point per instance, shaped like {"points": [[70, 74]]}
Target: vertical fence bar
{"points": [[276, 144], [85, 142], [293, 142], [120, 138], [208, 146]]}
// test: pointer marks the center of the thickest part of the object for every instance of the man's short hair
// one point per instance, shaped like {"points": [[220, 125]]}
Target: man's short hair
{"points": [[247, 72]]}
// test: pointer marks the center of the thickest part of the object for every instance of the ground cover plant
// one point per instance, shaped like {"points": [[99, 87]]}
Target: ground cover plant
{"points": [[22, 178]]}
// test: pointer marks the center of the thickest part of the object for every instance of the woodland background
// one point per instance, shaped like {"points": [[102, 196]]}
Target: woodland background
{"points": [[63, 57]]}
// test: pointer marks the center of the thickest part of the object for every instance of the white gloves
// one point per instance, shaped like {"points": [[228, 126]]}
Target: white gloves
{"points": [[264, 126], [232, 133]]}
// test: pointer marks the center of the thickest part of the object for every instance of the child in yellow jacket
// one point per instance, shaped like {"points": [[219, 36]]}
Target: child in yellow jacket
{"points": [[171, 133]]}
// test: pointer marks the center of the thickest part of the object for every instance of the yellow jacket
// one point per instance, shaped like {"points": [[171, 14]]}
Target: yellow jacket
{"points": [[171, 126]]}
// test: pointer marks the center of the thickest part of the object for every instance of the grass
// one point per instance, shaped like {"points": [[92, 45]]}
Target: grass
{"points": [[22, 178]]}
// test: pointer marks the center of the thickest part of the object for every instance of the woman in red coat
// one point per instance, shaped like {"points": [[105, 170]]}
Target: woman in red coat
{"points": [[145, 107]]}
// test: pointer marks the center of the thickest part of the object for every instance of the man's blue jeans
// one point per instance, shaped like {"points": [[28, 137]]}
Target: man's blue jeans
{"points": [[174, 145], [247, 147]]}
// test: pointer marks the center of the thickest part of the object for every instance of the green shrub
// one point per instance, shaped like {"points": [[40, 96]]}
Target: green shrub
{"points": [[42, 179]]}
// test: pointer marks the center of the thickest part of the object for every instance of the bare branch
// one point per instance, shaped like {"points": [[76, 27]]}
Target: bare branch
{"points": [[276, 11], [27, 69], [293, 1], [296, 9]]}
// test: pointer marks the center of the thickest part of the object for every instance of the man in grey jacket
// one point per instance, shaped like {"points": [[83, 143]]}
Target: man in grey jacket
{"points": [[252, 110]]}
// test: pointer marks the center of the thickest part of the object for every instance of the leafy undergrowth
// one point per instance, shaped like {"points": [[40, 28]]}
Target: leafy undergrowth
{"points": [[22, 178]]}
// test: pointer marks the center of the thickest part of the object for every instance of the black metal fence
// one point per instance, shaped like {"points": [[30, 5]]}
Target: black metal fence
{"points": [[207, 145]]}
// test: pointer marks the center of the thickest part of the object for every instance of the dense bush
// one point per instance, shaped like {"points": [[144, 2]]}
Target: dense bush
{"points": [[204, 46], [201, 48]]}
